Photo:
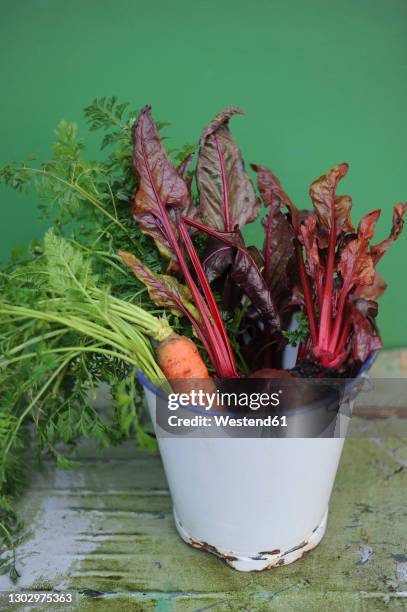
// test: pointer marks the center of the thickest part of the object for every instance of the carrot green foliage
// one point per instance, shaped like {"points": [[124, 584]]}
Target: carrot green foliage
{"points": [[50, 366]]}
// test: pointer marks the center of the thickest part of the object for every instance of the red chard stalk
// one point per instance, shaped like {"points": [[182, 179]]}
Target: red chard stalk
{"points": [[336, 267], [286, 229], [332, 220], [162, 192]]}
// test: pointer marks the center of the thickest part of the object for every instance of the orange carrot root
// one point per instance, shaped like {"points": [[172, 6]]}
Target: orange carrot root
{"points": [[178, 357], [182, 365]]}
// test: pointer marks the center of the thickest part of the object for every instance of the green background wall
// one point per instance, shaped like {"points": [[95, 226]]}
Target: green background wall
{"points": [[322, 82]]}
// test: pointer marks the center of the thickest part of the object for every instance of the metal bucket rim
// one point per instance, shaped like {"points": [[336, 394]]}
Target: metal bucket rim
{"points": [[350, 388]]}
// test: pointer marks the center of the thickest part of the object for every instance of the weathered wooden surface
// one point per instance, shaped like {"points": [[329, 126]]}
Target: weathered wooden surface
{"points": [[108, 527]]}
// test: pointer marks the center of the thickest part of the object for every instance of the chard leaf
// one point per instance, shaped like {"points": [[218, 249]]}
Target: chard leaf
{"points": [[373, 285], [273, 194], [160, 185], [247, 275], [315, 268], [356, 264], [227, 196], [279, 252], [164, 290], [373, 291], [367, 224], [246, 272], [364, 338], [308, 239], [333, 212], [380, 249], [217, 257], [279, 249], [219, 253]]}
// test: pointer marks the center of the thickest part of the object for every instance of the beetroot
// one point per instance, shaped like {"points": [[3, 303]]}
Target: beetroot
{"points": [[272, 373]]}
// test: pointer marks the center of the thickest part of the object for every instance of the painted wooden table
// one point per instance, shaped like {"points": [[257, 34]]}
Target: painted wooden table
{"points": [[107, 531]]}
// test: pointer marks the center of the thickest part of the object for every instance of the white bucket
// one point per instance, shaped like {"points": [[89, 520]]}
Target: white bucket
{"points": [[255, 502]]}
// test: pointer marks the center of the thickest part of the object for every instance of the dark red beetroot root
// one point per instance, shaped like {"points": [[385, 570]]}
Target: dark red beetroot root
{"points": [[296, 394], [272, 373]]}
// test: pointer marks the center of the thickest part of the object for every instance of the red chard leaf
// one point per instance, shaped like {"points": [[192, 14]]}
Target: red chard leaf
{"points": [[249, 278], [218, 256], [308, 237], [333, 212], [160, 185], [273, 194], [364, 338], [367, 224], [164, 290], [279, 249], [246, 272], [373, 291], [227, 196], [380, 249], [333, 221], [356, 264], [315, 261]]}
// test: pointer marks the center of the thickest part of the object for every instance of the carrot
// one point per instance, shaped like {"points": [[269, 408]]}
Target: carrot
{"points": [[183, 366], [178, 357]]}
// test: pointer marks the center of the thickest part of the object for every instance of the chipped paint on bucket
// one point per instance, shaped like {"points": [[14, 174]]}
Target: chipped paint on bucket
{"points": [[257, 503]]}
